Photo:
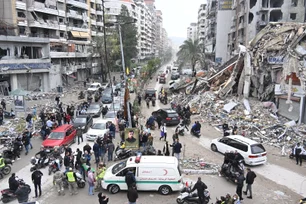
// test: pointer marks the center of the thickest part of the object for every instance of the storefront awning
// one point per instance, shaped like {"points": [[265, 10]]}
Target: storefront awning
{"points": [[75, 34], [83, 35]]}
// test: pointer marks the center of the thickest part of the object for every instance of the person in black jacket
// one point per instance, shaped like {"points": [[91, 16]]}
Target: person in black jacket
{"points": [[249, 181], [13, 183], [22, 194], [67, 161], [239, 181], [200, 187], [130, 179], [36, 178], [102, 198], [132, 194]]}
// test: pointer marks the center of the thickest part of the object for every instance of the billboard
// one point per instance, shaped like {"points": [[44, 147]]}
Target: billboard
{"points": [[19, 103], [225, 4], [131, 138]]}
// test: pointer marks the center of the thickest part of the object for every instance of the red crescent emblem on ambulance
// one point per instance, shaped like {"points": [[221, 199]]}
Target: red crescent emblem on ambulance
{"points": [[166, 172]]}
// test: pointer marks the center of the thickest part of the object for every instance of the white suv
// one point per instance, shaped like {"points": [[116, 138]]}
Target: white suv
{"points": [[253, 152], [94, 87]]}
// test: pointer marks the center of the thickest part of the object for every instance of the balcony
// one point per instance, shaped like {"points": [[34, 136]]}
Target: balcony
{"points": [[62, 27], [99, 13], [99, 23], [241, 25], [75, 28], [79, 4], [22, 22], [21, 5], [93, 11], [40, 7], [74, 14], [55, 54], [93, 33], [93, 22], [42, 24]]}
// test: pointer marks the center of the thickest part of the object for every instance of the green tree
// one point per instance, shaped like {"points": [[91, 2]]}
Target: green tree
{"points": [[112, 51], [129, 35], [191, 51]]}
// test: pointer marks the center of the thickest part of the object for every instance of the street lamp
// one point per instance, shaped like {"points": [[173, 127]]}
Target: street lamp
{"points": [[123, 63]]}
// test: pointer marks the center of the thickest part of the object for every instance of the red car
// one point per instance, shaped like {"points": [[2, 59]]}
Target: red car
{"points": [[65, 134]]}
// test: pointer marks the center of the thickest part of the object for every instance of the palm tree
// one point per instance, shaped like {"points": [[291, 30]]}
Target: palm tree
{"points": [[192, 51]]}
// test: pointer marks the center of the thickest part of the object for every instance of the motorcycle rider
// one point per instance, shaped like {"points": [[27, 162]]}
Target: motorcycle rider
{"points": [[237, 158], [57, 155], [22, 194], [58, 181], [200, 187], [104, 111], [196, 128], [16, 148], [42, 155], [13, 183]]}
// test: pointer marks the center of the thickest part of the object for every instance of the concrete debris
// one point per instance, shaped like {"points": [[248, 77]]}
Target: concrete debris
{"points": [[198, 166]]}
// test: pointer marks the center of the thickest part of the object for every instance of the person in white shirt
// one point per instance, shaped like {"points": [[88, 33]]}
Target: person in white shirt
{"points": [[49, 123], [163, 132]]}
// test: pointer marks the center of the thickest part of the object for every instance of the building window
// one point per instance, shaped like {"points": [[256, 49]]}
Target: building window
{"points": [[294, 3], [292, 16], [21, 14], [61, 20], [62, 34]]}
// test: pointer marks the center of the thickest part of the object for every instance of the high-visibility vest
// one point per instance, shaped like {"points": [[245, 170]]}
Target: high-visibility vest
{"points": [[2, 161], [70, 176], [102, 173]]}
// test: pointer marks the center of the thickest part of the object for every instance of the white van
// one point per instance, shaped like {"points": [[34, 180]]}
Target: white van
{"points": [[152, 173], [253, 152], [174, 69]]}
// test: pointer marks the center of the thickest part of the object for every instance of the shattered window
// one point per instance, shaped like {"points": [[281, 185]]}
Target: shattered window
{"points": [[294, 3], [292, 16]]}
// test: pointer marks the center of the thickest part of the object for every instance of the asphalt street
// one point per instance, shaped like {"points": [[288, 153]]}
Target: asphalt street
{"points": [[279, 181]]}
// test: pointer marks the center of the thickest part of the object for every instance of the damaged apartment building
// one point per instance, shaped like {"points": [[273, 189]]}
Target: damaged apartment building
{"points": [[46, 43], [250, 16]]}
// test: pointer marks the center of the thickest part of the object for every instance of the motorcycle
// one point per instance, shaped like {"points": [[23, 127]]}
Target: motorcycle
{"points": [[8, 195], [9, 115], [180, 129], [80, 181], [7, 168], [303, 201], [230, 172], [8, 153], [54, 165], [196, 133], [191, 198], [38, 165], [81, 95], [122, 153]]}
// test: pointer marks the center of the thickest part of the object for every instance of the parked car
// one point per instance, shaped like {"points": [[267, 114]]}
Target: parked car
{"points": [[168, 116], [111, 115], [105, 85], [94, 110], [107, 98], [175, 76], [253, 152], [99, 128], [62, 135], [162, 79], [116, 106], [174, 69], [83, 121], [94, 87], [149, 93]]}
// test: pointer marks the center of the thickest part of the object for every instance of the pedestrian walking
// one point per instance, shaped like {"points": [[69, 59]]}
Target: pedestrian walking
{"points": [[166, 149], [26, 142], [163, 132], [80, 135], [102, 198], [239, 181], [297, 151], [177, 148], [96, 150], [29, 135], [132, 194], [57, 99], [58, 182], [36, 179], [110, 150], [71, 177], [91, 181], [250, 177]]}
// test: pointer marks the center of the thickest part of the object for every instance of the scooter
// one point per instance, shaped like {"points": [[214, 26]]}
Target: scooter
{"points": [[6, 170], [230, 172], [196, 133], [54, 165], [9, 115], [180, 129], [80, 181], [8, 195], [36, 165], [191, 198], [122, 153]]}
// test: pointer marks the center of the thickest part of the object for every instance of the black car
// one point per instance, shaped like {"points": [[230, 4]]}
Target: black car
{"points": [[162, 80], [94, 110], [83, 121], [106, 98], [168, 116], [150, 93], [175, 76]]}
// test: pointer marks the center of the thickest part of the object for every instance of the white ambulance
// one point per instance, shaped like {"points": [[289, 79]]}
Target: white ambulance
{"points": [[152, 173]]}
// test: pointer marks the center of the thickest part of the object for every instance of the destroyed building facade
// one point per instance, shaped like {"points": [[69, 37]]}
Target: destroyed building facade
{"points": [[250, 16]]}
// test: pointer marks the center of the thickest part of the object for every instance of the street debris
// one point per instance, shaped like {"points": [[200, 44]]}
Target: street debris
{"points": [[198, 166]]}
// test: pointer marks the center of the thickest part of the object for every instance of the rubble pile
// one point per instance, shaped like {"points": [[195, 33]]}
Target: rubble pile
{"points": [[198, 166], [257, 120]]}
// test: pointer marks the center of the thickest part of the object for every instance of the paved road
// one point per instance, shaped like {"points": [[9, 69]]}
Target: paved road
{"points": [[265, 190]]}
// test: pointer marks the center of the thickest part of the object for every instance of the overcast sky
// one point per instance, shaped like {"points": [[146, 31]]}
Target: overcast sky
{"points": [[178, 14]]}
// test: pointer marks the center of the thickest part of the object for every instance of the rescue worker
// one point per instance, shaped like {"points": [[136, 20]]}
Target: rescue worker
{"points": [[72, 178], [58, 182], [100, 175]]}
